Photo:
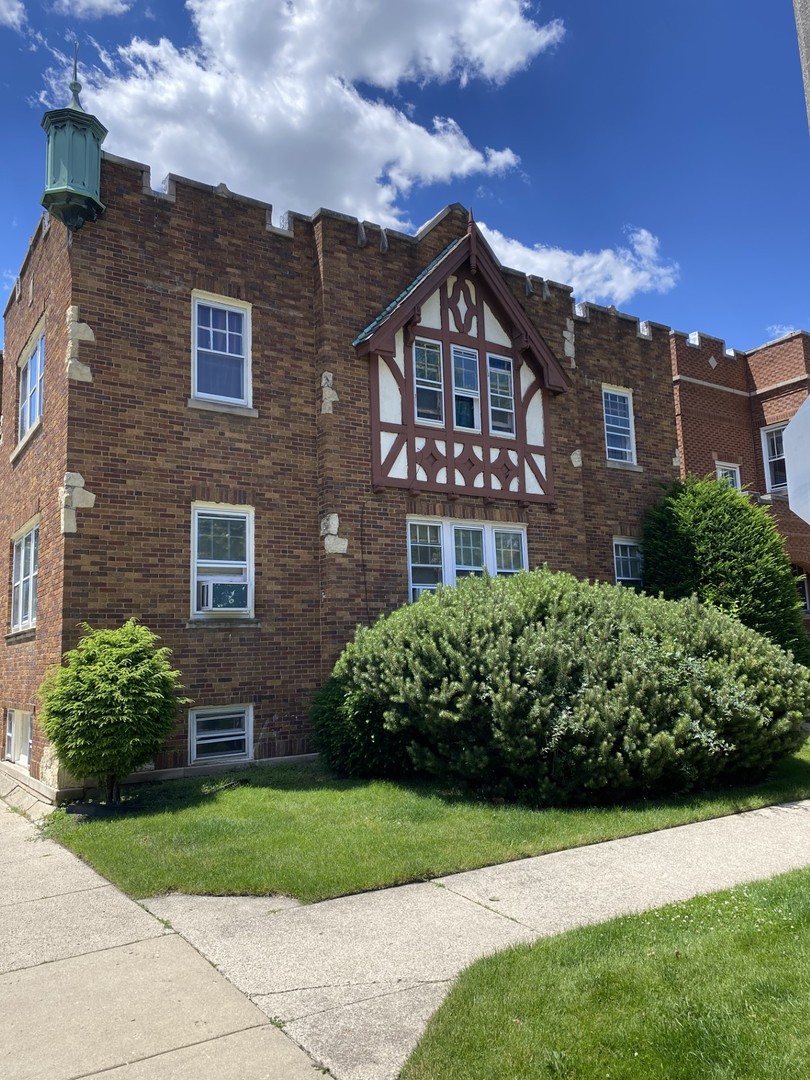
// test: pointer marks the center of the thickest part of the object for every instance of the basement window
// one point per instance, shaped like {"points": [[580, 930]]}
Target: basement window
{"points": [[19, 737], [222, 734]]}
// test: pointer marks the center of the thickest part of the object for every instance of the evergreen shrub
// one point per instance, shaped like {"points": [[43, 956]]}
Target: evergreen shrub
{"points": [[113, 704], [707, 538], [551, 690]]}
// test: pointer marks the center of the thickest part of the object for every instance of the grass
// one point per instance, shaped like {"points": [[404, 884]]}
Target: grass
{"points": [[297, 831], [714, 988]]}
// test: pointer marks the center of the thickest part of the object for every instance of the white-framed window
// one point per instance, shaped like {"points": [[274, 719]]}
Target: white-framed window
{"points": [[442, 550], [773, 454], [501, 395], [31, 376], [24, 567], [427, 364], [221, 734], [222, 561], [19, 737], [620, 435], [628, 566], [466, 393], [802, 588], [221, 349], [724, 470]]}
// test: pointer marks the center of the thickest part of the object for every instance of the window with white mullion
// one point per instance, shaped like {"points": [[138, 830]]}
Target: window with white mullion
{"points": [[221, 362], [19, 737], [774, 454], [425, 557], [619, 433], [223, 561], [217, 734], [30, 389], [25, 566], [510, 554], [443, 551], [731, 473], [429, 382], [627, 563], [468, 552], [501, 395], [466, 392]]}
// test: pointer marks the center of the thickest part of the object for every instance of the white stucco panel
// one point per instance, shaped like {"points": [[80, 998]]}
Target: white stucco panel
{"points": [[459, 478], [512, 455], [493, 331], [532, 486], [432, 312], [420, 473], [390, 397], [478, 480], [387, 439], [399, 470], [419, 444], [535, 432], [441, 476], [495, 483], [514, 484]]}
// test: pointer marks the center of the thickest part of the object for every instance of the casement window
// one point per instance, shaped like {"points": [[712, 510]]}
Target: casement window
{"points": [[25, 559], [221, 734], [802, 588], [32, 370], [19, 737], [465, 390], [620, 436], [627, 563], [221, 344], [773, 454], [501, 395], [222, 562], [441, 551], [728, 472]]}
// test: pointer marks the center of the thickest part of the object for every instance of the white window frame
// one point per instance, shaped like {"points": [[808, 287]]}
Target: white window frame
{"points": [[803, 589], [237, 572], [24, 577], [612, 453], [461, 393], [19, 737], [225, 711], [767, 460], [635, 581], [229, 305], [30, 385], [504, 360], [429, 384], [447, 537], [726, 470]]}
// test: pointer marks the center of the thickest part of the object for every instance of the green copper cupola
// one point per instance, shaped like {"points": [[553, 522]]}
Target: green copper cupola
{"points": [[73, 161]]}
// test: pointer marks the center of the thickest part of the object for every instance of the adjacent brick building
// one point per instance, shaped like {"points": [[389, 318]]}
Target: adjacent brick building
{"points": [[255, 438]]}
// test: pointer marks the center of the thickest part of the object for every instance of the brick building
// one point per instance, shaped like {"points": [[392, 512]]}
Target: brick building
{"points": [[255, 438]]}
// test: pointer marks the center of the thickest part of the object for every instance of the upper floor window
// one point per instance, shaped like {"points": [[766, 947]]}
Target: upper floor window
{"points": [[773, 454], [32, 370], [221, 349], [466, 391], [222, 561], [442, 551], [627, 563], [731, 473], [24, 580], [620, 437]]}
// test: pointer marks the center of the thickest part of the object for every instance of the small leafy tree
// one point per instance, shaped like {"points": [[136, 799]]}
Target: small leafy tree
{"points": [[113, 704], [707, 538]]}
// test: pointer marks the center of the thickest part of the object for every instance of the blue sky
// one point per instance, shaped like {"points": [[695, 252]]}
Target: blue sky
{"points": [[656, 156]]}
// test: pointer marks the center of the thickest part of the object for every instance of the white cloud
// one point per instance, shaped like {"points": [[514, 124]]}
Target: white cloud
{"points": [[609, 276], [90, 9], [270, 100], [12, 13], [777, 330]]}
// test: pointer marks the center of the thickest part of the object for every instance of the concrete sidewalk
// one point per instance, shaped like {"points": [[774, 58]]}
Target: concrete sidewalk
{"points": [[91, 984], [355, 980]]}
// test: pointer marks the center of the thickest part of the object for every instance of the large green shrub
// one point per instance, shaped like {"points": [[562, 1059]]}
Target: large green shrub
{"points": [[113, 704], [550, 689], [705, 537]]}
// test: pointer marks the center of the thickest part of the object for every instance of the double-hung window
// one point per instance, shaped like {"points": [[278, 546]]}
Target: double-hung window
{"points": [[222, 578], [221, 350], [466, 395], [221, 734], [32, 371], [773, 452], [627, 563], [620, 438], [19, 737], [731, 473], [427, 359], [441, 551], [501, 395], [802, 589], [25, 559]]}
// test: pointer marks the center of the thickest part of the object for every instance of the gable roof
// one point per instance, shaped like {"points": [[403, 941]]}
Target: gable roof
{"points": [[378, 336]]}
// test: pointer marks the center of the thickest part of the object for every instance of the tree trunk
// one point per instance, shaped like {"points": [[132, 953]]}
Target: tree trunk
{"points": [[113, 791]]}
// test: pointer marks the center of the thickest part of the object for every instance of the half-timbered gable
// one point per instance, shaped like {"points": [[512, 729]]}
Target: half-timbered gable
{"points": [[459, 384]]}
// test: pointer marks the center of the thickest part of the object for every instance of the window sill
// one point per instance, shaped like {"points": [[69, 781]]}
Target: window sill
{"points": [[17, 637], [25, 440], [624, 466], [220, 407], [223, 624]]}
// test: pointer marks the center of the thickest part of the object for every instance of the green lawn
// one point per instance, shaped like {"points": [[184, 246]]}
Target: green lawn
{"points": [[716, 988], [296, 830]]}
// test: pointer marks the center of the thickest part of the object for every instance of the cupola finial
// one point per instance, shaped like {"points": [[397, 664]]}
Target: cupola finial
{"points": [[75, 87]]}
